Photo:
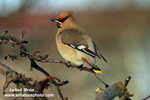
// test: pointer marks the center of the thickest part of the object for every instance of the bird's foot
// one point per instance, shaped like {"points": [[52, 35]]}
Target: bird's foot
{"points": [[68, 65], [80, 67]]}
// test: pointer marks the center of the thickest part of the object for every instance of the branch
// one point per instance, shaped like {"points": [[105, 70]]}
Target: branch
{"points": [[21, 82], [116, 90], [23, 53], [69, 65], [13, 40]]}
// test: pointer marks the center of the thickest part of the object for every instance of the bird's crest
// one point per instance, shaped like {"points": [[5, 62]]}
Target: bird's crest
{"points": [[65, 14]]}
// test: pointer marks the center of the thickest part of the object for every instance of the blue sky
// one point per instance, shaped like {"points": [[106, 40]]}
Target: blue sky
{"points": [[9, 6]]}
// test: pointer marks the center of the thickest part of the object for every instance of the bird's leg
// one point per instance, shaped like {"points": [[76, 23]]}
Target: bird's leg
{"points": [[80, 67]]}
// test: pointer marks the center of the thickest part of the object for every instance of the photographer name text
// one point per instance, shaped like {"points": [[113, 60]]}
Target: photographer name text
{"points": [[20, 90]]}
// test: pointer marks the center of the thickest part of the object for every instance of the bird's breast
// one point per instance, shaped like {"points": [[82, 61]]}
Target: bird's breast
{"points": [[68, 53]]}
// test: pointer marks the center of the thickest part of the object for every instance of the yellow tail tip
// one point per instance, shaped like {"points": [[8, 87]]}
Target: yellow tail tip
{"points": [[97, 71]]}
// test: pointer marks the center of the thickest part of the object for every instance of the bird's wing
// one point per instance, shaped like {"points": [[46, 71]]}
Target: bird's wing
{"points": [[98, 53], [74, 38]]}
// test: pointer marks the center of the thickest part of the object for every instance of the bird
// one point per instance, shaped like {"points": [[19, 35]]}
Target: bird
{"points": [[74, 44]]}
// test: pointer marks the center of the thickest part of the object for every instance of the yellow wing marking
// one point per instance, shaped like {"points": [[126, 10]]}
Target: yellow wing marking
{"points": [[97, 71]]}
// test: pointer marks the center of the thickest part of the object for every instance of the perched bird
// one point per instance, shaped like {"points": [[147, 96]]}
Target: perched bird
{"points": [[74, 44]]}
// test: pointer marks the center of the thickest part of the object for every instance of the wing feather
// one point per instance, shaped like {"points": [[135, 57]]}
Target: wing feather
{"points": [[74, 38], [98, 53]]}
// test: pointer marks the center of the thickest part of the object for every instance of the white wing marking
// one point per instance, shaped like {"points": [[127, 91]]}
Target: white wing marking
{"points": [[81, 47]]}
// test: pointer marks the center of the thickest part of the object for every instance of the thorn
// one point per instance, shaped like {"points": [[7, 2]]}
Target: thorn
{"points": [[19, 75], [55, 78], [13, 45], [23, 76], [127, 81], [4, 43], [45, 56], [5, 31], [98, 90], [66, 98], [64, 83], [23, 33], [25, 41], [31, 69], [41, 84], [106, 85], [5, 57], [35, 82], [36, 52], [29, 79]]}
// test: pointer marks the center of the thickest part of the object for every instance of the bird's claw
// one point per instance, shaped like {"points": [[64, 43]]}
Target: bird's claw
{"points": [[80, 67], [68, 65]]}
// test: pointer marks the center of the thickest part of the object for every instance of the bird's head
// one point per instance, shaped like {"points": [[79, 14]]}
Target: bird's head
{"points": [[65, 19]]}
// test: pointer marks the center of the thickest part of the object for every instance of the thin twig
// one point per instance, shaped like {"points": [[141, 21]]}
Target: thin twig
{"points": [[68, 64], [146, 97]]}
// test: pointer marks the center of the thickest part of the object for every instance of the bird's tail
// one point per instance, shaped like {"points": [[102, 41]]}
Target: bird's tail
{"points": [[98, 53], [96, 69], [103, 57]]}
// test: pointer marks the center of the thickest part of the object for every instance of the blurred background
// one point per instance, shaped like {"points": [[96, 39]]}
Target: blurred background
{"points": [[120, 28]]}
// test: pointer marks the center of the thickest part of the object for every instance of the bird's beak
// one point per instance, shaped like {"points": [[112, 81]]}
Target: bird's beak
{"points": [[54, 20]]}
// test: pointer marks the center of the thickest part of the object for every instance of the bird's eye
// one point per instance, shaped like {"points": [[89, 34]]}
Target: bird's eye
{"points": [[62, 20], [58, 25]]}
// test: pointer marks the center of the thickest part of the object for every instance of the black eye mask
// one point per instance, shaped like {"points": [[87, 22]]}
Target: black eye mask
{"points": [[62, 20]]}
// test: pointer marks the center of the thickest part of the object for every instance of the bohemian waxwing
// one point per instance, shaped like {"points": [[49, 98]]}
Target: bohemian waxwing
{"points": [[74, 44]]}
